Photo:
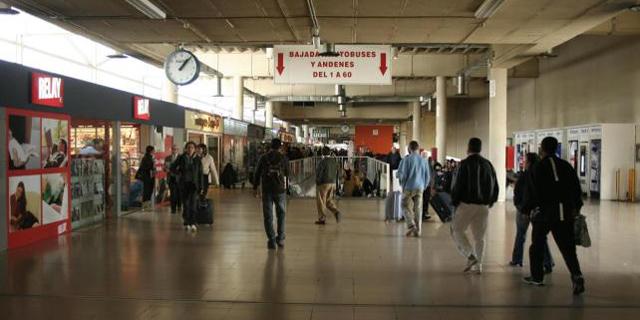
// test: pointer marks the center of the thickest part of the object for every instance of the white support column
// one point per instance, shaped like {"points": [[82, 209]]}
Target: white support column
{"points": [[498, 125], [238, 85], [305, 133], [403, 138], [441, 118], [170, 92], [268, 114], [416, 123]]}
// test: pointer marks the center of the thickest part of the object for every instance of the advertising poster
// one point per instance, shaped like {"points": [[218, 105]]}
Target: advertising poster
{"points": [[55, 143], [38, 176], [25, 208], [55, 202], [24, 142]]}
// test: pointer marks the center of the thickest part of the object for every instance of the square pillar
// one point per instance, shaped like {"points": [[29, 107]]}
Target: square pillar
{"points": [[498, 125]]}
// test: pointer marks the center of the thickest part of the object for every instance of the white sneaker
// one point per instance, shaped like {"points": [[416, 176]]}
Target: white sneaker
{"points": [[476, 269], [194, 228], [471, 262], [187, 228]]}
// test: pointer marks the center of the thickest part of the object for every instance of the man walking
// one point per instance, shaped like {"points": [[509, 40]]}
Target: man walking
{"points": [[555, 200], [474, 191], [172, 180], [413, 174], [326, 177], [272, 172]]}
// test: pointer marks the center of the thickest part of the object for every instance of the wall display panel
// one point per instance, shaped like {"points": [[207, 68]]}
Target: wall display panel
{"points": [[38, 174]]}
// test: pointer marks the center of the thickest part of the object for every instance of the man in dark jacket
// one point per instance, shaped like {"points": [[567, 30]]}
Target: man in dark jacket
{"points": [[326, 177], [172, 179], [272, 172], [555, 199], [474, 191], [188, 169], [394, 158], [520, 192]]}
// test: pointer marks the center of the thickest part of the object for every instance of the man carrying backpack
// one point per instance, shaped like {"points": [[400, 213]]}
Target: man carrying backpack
{"points": [[474, 191], [272, 172]]}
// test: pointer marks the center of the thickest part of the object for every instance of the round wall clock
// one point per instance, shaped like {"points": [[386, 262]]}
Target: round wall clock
{"points": [[182, 67]]}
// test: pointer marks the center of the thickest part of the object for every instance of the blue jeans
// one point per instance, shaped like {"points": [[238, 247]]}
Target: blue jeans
{"points": [[268, 201], [522, 224]]}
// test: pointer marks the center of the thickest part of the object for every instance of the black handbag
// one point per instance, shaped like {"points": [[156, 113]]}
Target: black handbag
{"points": [[581, 232]]}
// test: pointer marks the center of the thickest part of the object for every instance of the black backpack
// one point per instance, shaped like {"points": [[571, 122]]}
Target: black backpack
{"points": [[273, 173]]}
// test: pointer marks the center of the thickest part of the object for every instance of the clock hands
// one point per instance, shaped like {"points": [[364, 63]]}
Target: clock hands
{"points": [[184, 64]]}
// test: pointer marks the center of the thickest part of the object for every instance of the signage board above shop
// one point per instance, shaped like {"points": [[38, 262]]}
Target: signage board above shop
{"points": [[141, 108], [47, 90], [203, 121], [355, 64]]}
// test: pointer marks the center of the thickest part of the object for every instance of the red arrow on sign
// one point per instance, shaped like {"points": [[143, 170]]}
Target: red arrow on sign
{"points": [[280, 66], [383, 63]]}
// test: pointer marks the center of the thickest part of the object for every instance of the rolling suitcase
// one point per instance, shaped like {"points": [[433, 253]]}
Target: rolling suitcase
{"points": [[204, 214], [441, 203], [393, 206]]}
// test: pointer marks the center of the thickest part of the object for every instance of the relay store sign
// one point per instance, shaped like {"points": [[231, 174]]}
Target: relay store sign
{"points": [[47, 90], [141, 108], [356, 64]]}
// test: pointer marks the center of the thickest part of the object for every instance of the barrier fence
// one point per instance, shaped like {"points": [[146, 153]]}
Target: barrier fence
{"points": [[356, 177]]}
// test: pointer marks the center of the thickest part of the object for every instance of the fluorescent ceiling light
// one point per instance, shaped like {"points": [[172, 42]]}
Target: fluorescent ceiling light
{"points": [[6, 9], [148, 9], [488, 8], [117, 56]]}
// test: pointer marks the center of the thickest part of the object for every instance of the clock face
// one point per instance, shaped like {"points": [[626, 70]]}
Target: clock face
{"points": [[182, 67], [345, 128]]}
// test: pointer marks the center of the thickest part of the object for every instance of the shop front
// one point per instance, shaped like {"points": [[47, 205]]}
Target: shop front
{"points": [[234, 155], [71, 147], [205, 128]]}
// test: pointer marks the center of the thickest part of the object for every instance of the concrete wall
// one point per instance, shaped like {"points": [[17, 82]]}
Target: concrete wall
{"points": [[466, 118], [594, 79]]}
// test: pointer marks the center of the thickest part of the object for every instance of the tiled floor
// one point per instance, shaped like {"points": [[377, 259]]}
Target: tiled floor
{"points": [[145, 266]]}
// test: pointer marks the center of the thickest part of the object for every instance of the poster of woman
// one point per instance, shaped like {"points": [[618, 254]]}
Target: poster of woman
{"points": [[25, 206]]}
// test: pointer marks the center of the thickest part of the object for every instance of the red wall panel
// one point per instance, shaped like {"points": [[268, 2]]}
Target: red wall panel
{"points": [[381, 143]]}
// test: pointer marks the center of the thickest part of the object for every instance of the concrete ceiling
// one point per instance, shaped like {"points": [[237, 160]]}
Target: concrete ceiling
{"points": [[267, 22], [231, 34]]}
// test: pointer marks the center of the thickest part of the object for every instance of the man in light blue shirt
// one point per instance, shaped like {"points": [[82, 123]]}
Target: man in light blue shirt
{"points": [[414, 175]]}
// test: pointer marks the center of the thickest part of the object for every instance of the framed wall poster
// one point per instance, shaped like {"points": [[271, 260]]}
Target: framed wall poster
{"points": [[38, 176]]}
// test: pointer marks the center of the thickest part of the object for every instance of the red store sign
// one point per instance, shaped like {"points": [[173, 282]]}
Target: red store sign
{"points": [[141, 110], [47, 90]]}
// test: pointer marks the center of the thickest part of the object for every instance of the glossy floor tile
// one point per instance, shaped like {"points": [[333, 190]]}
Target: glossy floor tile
{"points": [[144, 266]]}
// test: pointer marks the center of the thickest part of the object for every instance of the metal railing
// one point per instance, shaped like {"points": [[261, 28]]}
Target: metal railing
{"points": [[357, 177]]}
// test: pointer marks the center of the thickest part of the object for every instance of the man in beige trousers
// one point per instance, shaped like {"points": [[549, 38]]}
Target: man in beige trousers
{"points": [[326, 177]]}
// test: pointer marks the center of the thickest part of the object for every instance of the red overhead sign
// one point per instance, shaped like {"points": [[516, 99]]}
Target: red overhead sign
{"points": [[47, 90], [141, 110]]}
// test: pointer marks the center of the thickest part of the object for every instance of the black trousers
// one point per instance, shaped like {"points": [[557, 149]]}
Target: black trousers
{"points": [[563, 234], [176, 201], [148, 186], [189, 204]]}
